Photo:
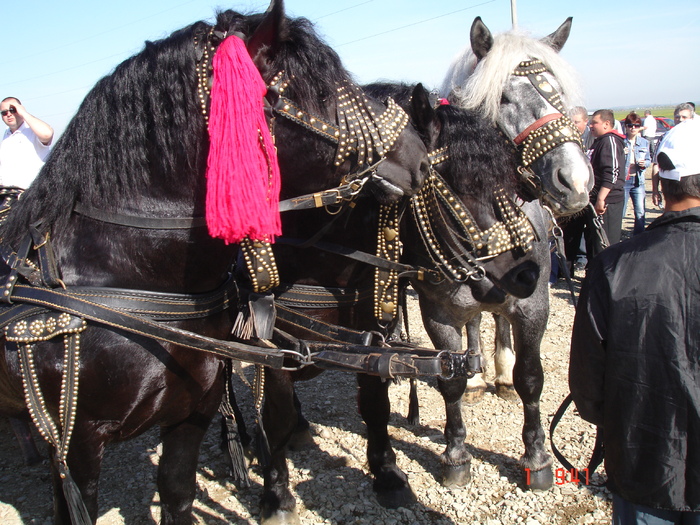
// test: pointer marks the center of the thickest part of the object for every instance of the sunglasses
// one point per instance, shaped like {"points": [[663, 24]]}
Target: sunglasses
{"points": [[634, 125], [12, 110]]}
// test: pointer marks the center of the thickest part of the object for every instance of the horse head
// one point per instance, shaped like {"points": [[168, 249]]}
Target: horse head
{"points": [[476, 233], [346, 134], [525, 87]]}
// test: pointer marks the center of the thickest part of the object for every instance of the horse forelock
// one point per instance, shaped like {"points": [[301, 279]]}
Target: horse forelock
{"points": [[313, 67], [479, 86], [479, 159]]}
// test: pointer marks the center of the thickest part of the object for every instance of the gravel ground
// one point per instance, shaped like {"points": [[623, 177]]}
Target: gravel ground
{"points": [[331, 480]]}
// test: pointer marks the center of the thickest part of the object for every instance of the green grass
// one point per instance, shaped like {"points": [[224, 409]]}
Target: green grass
{"points": [[657, 112]]}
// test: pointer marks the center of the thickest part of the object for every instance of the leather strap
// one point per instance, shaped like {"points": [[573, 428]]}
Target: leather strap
{"points": [[535, 125], [63, 300], [161, 306], [135, 221], [598, 449], [404, 270], [288, 318]]}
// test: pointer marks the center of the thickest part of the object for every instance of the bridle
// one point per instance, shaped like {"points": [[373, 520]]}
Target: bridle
{"points": [[544, 134], [455, 243], [359, 130]]}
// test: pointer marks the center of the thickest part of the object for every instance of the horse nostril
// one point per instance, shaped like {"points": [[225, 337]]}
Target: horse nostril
{"points": [[565, 178]]}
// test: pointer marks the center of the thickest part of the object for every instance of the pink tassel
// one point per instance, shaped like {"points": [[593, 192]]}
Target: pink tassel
{"points": [[243, 179]]}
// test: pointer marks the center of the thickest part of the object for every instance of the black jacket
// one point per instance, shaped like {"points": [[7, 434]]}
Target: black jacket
{"points": [[635, 361], [608, 162]]}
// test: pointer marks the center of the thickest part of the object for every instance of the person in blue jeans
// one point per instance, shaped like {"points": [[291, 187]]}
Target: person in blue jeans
{"points": [[638, 157]]}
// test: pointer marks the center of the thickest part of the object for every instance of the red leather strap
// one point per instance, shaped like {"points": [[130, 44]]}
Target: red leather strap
{"points": [[535, 125]]}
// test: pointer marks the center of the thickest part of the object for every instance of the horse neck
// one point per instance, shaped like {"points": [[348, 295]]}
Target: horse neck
{"points": [[356, 230]]}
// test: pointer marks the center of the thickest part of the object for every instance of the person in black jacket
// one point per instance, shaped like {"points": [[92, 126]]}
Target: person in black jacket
{"points": [[608, 162], [635, 351]]}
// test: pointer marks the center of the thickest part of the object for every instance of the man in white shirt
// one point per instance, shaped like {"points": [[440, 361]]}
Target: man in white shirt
{"points": [[649, 131], [25, 145]]}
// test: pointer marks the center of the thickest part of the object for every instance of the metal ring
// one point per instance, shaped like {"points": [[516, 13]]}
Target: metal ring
{"points": [[446, 355]]}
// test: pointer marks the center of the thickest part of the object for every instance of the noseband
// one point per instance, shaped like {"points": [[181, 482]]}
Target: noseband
{"points": [[460, 250], [546, 133]]}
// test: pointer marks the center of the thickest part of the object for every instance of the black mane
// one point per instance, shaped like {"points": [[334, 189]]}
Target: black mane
{"points": [[316, 68], [139, 129], [475, 147]]}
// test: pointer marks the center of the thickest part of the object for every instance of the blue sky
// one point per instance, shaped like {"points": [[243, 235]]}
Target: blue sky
{"points": [[54, 52]]}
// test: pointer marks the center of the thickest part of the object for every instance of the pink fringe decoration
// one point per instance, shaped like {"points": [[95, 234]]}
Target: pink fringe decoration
{"points": [[243, 179]]}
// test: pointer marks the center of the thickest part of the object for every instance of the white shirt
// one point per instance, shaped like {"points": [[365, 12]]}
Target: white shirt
{"points": [[21, 157], [650, 125]]}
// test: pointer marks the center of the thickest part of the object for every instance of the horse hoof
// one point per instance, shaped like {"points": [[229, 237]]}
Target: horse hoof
{"points": [[300, 440], [507, 392], [393, 499], [281, 517], [539, 479], [454, 476], [474, 395]]}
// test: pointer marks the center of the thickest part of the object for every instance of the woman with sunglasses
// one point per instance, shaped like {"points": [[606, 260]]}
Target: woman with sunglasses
{"points": [[638, 157], [24, 147]]}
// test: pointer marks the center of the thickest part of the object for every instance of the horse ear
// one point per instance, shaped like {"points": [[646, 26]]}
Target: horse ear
{"points": [[557, 39], [480, 38], [264, 40], [423, 115]]}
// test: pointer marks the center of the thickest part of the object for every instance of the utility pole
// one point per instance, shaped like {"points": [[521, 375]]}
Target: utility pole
{"points": [[514, 13]]}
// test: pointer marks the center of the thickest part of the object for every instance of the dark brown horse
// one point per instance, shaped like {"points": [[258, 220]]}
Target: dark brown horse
{"points": [[136, 152]]}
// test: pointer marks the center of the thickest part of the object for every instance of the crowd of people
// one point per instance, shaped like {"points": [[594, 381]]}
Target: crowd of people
{"points": [[621, 162]]}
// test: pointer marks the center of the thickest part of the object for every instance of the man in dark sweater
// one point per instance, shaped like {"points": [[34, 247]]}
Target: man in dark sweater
{"points": [[608, 162]]}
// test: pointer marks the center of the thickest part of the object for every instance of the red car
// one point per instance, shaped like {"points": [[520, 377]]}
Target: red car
{"points": [[663, 124]]}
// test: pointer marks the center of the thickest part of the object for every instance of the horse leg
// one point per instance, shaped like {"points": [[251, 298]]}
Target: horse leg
{"points": [[277, 506], [528, 330], [504, 360], [456, 459], [476, 386], [177, 468], [23, 433], [390, 483], [301, 438]]}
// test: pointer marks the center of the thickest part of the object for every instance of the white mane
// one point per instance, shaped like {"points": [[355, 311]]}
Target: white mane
{"points": [[473, 85]]}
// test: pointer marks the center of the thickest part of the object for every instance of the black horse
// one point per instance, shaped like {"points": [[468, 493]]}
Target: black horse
{"points": [[136, 152], [448, 307], [480, 166]]}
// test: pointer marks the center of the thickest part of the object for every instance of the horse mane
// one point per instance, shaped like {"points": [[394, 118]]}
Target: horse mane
{"points": [[477, 149], [139, 129], [475, 146], [479, 85], [314, 69]]}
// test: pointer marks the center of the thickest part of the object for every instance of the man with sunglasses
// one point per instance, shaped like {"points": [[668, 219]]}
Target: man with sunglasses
{"points": [[24, 147]]}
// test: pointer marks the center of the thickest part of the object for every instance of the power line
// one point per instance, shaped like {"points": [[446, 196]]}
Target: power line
{"points": [[415, 23], [344, 9]]}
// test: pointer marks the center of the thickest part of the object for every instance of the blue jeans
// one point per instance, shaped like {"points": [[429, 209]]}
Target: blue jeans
{"points": [[638, 194], [627, 513]]}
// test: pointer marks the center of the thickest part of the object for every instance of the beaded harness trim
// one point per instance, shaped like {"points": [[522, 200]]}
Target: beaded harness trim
{"points": [[550, 131], [544, 134], [359, 130], [437, 207]]}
